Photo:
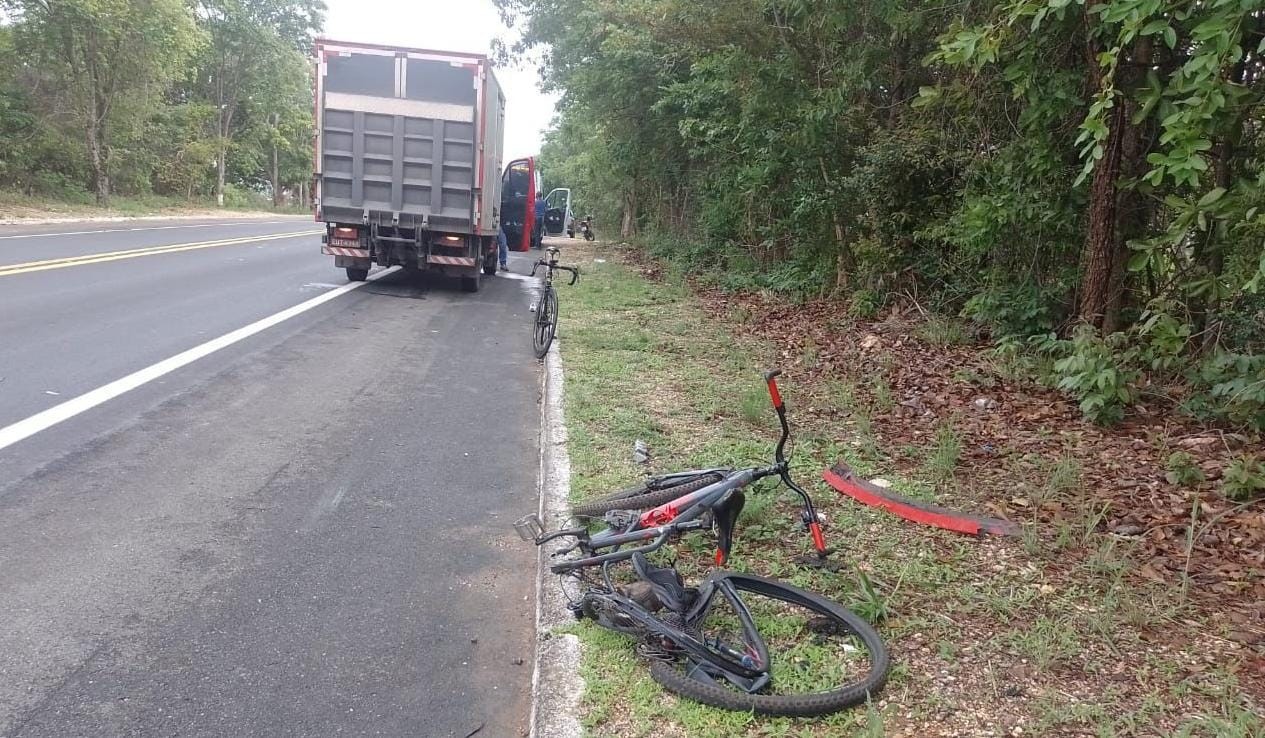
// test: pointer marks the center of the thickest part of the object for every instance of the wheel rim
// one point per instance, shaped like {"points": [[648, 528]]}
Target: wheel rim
{"points": [[815, 655], [546, 318]]}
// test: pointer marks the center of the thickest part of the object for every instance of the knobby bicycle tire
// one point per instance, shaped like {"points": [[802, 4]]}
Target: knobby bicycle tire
{"points": [[788, 705], [641, 497], [546, 322]]}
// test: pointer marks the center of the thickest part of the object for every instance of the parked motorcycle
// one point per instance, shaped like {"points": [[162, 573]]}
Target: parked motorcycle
{"points": [[586, 228]]}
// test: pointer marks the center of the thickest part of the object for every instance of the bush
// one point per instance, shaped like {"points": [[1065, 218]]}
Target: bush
{"points": [[865, 304], [1020, 310], [1182, 470], [1244, 478], [1231, 388], [1098, 372]]}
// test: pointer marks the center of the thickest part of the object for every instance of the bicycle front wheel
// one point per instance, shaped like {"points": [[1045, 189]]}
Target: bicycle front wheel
{"points": [[821, 658], [546, 321]]}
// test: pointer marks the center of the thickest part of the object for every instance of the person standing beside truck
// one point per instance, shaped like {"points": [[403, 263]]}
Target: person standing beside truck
{"points": [[505, 249], [540, 222]]}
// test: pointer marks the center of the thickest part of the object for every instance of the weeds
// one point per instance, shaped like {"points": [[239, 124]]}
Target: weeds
{"points": [[1182, 470], [941, 331], [881, 393], [944, 457]]}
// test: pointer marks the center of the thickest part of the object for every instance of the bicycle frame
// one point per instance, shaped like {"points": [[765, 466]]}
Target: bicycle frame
{"points": [[653, 528]]}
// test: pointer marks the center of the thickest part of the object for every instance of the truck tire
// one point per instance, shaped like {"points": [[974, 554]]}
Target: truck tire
{"points": [[357, 275], [470, 284], [489, 263]]}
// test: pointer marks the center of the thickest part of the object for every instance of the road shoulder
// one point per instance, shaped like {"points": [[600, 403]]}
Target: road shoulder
{"points": [[556, 682]]}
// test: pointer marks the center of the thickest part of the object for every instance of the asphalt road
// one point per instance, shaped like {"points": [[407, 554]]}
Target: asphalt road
{"points": [[307, 532]]}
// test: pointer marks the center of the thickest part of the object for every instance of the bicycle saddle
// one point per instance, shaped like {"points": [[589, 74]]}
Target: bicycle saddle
{"points": [[666, 584]]}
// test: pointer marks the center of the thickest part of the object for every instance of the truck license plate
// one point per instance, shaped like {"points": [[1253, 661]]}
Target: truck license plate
{"points": [[349, 243]]}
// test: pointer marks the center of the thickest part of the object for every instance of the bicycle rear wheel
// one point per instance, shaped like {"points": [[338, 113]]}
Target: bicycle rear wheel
{"points": [[546, 321], [822, 658], [646, 495]]}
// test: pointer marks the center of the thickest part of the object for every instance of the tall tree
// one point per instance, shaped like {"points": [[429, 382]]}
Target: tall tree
{"points": [[254, 46], [104, 59]]}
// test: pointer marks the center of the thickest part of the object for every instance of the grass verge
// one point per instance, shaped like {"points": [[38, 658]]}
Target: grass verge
{"points": [[1047, 635], [17, 206]]}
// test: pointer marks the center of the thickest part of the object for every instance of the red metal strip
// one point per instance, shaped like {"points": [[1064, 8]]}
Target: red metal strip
{"points": [[845, 481]]}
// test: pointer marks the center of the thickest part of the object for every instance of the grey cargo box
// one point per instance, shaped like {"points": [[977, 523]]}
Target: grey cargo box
{"points": [[408, 137]]}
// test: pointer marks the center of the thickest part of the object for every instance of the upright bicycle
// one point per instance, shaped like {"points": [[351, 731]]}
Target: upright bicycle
{"points": [[546, 308], [735, 641]]}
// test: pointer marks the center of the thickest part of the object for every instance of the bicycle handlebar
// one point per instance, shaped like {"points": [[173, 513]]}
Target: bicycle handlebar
{"points": [[553, 265], [658, 535]]}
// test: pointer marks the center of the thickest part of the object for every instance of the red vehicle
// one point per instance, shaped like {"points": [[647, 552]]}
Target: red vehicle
{"points": [[520, 188]]}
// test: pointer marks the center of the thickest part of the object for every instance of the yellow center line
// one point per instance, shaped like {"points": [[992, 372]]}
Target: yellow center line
{"points": [[39, 266]]}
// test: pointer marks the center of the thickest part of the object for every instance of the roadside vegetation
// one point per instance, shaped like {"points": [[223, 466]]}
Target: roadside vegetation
{"points": [[20, 206], [1082, 180], [1097, 621], [1012, 253], [128, 104]]}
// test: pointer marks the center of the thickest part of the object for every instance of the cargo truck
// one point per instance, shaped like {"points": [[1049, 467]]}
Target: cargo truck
{"points": [[408, 159]]}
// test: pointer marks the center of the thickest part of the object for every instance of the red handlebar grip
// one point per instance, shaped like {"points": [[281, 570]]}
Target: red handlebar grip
{"points": [[819, 541], [774, 394]]}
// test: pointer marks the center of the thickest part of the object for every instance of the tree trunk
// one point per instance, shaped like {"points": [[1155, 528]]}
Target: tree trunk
{"points": [[1132, 208], [1105, 253], [219, 174], [276, 179], [276, 169], [225, 125], [100, 171], [845, 262], [628, 224]]}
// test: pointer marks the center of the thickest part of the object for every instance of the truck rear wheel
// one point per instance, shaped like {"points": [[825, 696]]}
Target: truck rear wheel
{"points": [[357, 275], [489, 262]]}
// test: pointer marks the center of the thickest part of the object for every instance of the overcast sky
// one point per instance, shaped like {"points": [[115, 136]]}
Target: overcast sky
{"points": [[450, 25]]}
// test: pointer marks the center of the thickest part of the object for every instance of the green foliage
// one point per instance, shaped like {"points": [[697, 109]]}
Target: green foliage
{"points": [[1098, 373], [1233, 389], [126, 96], [870, 602], [1244, 478], [865, 304], [1182, 470], [1012, 310], [946, 453], [942, 331], [1029, 165]]}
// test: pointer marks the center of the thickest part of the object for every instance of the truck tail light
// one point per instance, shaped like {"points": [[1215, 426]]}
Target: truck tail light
{"points": [[345, 236]]}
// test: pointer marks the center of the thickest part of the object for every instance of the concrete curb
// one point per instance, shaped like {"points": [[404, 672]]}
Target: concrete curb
{"points": [[556, 683]]}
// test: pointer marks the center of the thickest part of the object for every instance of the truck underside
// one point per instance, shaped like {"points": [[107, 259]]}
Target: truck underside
{"points": [[356, 247]]}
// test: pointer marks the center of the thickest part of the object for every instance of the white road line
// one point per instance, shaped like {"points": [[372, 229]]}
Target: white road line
{"points": [[148, 228], [28, 427]]}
